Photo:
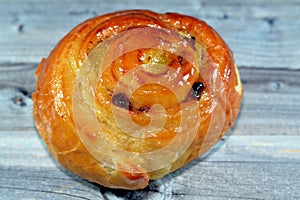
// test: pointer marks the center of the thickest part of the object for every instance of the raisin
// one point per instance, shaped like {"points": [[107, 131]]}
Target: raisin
{"points": [[122, 101], [197, 88]]}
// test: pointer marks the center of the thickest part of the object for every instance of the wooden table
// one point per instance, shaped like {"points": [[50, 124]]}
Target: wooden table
{"points": [[258, 159]]}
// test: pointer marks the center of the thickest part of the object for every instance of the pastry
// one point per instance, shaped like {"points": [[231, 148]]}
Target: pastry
{"points": [[133, 95]]}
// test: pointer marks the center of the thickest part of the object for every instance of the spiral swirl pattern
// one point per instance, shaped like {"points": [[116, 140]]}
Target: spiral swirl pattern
{"points": [[134, 95]]}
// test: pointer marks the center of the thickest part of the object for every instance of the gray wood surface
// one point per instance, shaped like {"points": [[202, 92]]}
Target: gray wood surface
{"points": [[258, 159]]}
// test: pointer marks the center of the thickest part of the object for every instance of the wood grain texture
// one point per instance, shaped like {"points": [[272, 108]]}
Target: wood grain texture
{"points": [[261, 34], [271, 104], [248, 167], [258, 159]]}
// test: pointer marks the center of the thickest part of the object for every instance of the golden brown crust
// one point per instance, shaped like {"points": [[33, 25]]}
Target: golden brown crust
{"points": [[53, 98]]}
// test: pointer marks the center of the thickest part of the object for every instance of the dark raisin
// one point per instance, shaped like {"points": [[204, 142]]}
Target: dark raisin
{"points": [[143, 109], [122, 101], [197, 88], [181, 60], [193, 38]]}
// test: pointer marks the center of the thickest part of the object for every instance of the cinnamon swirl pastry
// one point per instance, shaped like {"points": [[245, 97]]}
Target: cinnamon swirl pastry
{"points": [[134, 95]]}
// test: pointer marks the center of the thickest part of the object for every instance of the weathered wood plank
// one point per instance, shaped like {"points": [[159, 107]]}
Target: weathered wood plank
{"points": [[248, 167], [271, 104], [206, 180], [27, 149], [258, 159], [261, 34], [44, 183]]}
